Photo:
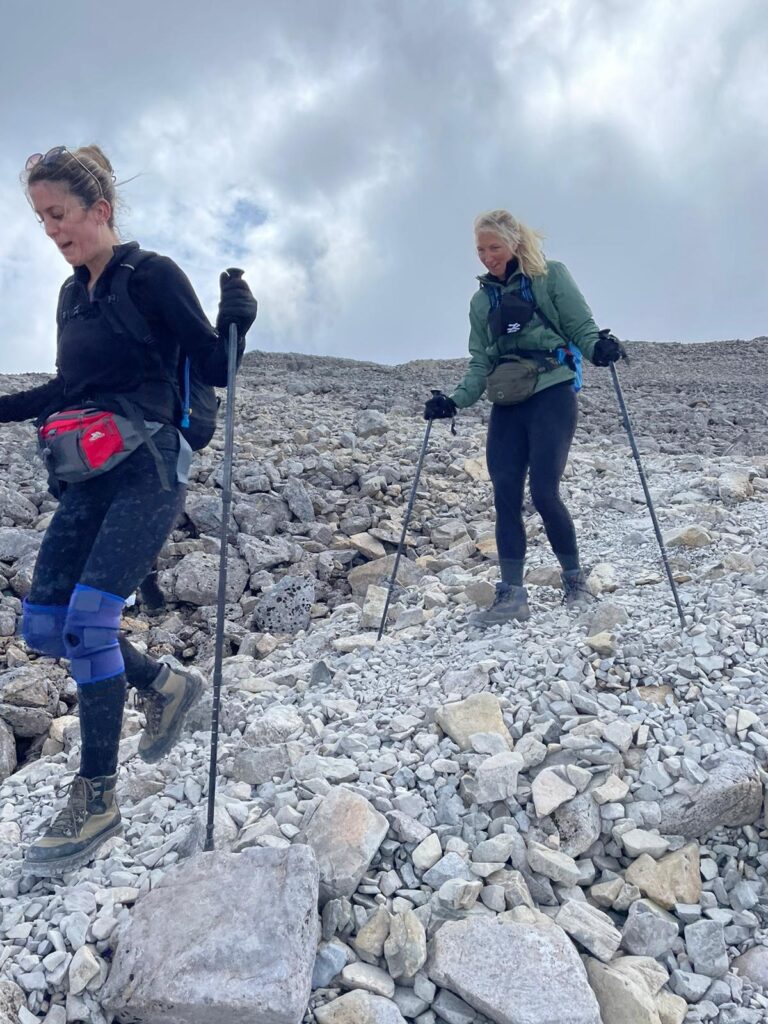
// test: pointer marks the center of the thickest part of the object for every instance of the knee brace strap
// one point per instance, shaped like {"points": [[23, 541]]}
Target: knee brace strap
{"points": [[42, 628], [91, 634]]}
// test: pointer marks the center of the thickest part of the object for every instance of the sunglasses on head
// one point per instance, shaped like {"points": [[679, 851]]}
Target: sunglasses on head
{"points": [[53, 156]]}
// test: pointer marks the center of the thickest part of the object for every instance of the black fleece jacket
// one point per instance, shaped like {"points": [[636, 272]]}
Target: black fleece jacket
{"points": [[92, 363]]}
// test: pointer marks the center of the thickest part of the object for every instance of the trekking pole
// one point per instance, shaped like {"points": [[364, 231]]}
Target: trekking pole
{"points": [[646, 491], [226, 484], [406, 520]]}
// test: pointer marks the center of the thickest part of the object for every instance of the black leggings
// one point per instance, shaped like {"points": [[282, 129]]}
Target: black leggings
{"points": [[533, 437]]}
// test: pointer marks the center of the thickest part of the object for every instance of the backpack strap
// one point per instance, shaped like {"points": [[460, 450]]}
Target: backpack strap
{"points": [[63, 310], [137, 421], [120, 311], [567, 353]]}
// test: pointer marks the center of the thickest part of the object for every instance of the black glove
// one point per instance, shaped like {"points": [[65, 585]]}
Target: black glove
{"points": [[608, 349], [440, 407], [236, 305]]}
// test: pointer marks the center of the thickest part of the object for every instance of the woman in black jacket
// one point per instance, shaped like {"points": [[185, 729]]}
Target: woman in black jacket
{"points": [[110, 526]]}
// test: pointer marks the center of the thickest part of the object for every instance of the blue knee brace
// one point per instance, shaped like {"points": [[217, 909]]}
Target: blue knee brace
{"points": [[90, 634], [43, 627]]}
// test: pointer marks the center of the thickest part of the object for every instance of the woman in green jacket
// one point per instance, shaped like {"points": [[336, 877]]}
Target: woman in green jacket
{"points": [[530, 324]]}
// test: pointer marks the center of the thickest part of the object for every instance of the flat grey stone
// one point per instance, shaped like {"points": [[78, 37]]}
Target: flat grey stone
{"points": [[590, 927], [648, 930], [514, 973], [705, 944], [240, 931]]}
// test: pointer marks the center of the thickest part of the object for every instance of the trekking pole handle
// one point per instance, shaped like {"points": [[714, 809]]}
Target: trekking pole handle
{"points": [[234, 272]]}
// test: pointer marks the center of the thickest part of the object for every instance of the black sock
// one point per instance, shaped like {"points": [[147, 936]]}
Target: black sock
{"points": [[101, 717], [512, 571], [140, 670]]}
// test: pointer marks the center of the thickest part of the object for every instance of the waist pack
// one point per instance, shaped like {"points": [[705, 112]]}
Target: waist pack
{"points": [[516, 376], [78, 444]]}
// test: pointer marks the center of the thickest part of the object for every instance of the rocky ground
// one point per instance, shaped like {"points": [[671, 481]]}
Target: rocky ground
{"points": [[550, 822]]}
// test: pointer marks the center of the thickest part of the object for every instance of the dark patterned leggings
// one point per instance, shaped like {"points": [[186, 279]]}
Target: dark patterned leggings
{"points": [[107, 533]]}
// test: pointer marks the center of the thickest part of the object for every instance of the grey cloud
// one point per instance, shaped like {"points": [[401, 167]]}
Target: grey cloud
{"points": [[423, 114]]}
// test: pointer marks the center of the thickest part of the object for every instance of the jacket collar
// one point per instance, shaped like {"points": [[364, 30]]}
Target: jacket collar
{"points": [[119, 252], [512, 270]]}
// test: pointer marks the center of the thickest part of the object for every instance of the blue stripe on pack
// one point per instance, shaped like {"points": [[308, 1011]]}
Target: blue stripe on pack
{"points": [[186, 410]]}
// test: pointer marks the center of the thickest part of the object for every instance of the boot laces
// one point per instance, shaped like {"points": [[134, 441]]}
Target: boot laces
{"points": [[70, 819], [152, 704], [502, 594], [574, 586]]}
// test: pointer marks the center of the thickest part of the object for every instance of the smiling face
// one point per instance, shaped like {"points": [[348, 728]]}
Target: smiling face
{"points": [[82, 236], [494, 252]]}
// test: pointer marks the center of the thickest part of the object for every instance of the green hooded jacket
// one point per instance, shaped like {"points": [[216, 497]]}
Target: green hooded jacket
{"points": [[560, 300]]}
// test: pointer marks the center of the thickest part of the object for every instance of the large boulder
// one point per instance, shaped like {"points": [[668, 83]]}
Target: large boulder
{"points": [[222, 939], [732, 796], [514, 972]]}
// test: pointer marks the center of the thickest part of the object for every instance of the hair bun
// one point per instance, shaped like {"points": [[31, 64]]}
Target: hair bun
{"points": [[96, 154]]}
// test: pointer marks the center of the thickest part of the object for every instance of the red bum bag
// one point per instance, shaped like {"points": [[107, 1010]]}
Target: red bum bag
{"points": [[81, 443]]}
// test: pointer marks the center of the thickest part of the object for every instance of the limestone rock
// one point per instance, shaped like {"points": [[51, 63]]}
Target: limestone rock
{"points": [[380, 570], [673, 879], [370, 423], [297, 498], [590, 927], [622, 993], [735, 486], [12, 998], [359, 1007], [648, 930], [496, 778], [406, 946], [753, 965], [732, 796], [345, 832], [7, 750], [240, 931], [553, 864], [549, 791], [480, 712], [693, 536], [195, 579], [705, 945], [513, 973]]}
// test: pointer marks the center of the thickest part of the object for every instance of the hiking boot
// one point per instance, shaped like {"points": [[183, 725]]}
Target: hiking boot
{"points": [[77, 831], [510, 603], [165, 704], [577, 593]]}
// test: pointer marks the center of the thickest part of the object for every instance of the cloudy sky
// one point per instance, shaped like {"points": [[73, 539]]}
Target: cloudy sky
{"points": [[339, 150]]}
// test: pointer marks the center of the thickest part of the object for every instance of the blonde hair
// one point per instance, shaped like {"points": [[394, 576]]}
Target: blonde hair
{"points": [[524, 242], [86, 172]]}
